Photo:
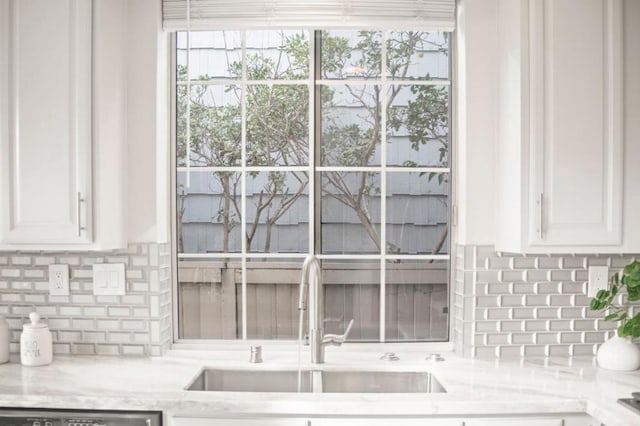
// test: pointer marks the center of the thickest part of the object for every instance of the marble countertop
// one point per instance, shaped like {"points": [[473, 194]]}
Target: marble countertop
{"points": [[552, 385]]}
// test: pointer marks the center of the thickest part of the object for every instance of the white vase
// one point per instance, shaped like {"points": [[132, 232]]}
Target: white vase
{"points": [[619, 353]]}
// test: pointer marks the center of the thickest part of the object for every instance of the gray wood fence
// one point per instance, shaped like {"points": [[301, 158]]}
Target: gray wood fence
{"points": [[210, 293]]}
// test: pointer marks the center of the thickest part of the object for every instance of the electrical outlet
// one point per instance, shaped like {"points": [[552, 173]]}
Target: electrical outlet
{"points": [[59, 280], [598, 279]]}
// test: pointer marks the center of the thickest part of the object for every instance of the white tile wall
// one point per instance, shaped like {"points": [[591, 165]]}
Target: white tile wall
{"points": [[138, 323], [509, 305]]}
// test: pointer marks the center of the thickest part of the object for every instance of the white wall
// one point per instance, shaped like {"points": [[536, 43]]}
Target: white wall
{"points": [[148, 122], [476, 127]]}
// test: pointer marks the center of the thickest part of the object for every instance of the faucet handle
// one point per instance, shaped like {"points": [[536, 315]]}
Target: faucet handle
{"points": [[347, 330], [337, 339]]}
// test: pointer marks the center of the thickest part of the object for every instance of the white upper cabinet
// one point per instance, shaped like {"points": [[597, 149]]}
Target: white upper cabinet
{"points": [[50, 173], [561, 130]]}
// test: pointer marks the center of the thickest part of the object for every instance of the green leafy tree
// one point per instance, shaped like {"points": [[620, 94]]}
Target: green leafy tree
{"points": [[277, 134], [277, 126], [425, 117]]}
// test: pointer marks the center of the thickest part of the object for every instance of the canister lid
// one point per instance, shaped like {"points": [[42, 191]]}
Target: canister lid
{"points": [[35, 322]]}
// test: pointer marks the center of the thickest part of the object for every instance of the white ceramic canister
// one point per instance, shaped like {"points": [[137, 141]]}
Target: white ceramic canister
{"points": [[4, 340], [36, 347]]}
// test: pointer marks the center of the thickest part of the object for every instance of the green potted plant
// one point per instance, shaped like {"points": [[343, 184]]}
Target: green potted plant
{"points": [[620, 353]]}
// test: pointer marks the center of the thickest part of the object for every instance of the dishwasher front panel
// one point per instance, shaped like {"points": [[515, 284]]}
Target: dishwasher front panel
{"points": [[10, 416]]}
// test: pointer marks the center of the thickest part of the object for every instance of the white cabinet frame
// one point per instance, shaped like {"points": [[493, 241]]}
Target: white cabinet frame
{"points": [[46, 123]]}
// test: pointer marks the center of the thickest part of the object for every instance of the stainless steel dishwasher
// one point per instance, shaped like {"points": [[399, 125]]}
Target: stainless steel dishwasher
{"points": [[63, 417]]}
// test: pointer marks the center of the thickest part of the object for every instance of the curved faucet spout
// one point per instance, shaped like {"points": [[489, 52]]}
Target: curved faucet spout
{"points": [[312, 296]]}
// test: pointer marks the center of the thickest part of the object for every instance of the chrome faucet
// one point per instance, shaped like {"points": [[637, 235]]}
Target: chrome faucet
{"points": [[312, 297]]}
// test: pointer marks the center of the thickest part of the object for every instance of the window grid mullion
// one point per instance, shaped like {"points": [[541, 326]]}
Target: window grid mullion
{"points": [[314, 143], [243, 181], [383, 186]]}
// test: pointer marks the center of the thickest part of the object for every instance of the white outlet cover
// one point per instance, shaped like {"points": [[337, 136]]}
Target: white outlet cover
{"points": [[109, 279], [598, 280], [59, 280]]}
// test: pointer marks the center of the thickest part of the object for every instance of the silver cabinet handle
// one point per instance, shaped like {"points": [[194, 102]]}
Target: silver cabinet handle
{"points": [[80, 227], [541, 212]]}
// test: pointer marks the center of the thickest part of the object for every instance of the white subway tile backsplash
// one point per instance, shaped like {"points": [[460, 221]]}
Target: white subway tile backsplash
{"points": [[70, 311], [10, 273], [94, 311], [574, 262], [524, 313], [133, 350], [535, 351], [498, 314], [525, 262], [548, 288], [94, 336], [107, 349], [527, 306], [549, 262], [34, 273], [85, 324], [560, 325], [537, 275], [522, 338], [511, 301], [498, 289]]}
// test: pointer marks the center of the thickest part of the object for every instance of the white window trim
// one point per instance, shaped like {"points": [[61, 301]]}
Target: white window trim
{"points": [[218, 344]]}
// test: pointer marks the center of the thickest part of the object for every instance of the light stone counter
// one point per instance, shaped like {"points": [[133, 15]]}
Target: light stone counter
{"points": [[473, 386]]}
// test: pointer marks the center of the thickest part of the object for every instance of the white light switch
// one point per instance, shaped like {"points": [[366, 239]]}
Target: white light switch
{"points": [[598, 279], [59, 280], [108, 279]]}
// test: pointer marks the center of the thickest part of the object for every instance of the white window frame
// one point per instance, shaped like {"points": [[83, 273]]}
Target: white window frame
{"points": [[382, 169]]}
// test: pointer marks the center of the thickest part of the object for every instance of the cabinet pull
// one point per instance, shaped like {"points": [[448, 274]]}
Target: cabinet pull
{"points": [[80, 227], [541, 213]]}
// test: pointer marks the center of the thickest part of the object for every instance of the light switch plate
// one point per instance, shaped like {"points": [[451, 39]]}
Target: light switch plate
{"points": [[59, 280], [108, 279], [598, 279]]}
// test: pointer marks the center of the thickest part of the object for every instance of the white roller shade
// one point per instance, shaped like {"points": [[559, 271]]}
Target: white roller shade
{"points": [[434, 15]]}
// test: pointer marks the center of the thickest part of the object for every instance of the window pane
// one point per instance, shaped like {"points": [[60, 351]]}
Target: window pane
{"points": [[212, 55], [277, 125], [208, 212], [277, 55], [277, 212], [240, 75], [350, 212], [350, 125], [351, 54], [417, 55], [272, 299], [416, 300], [418, 126], [352, 291], [207, 299], [417, 213], [216, 129]]}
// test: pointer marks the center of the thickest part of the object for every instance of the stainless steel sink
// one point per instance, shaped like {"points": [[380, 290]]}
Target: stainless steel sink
{"points": [[224, 380], [380, 382]]}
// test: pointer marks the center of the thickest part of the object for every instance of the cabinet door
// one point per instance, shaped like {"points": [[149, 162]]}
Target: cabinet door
{"points": [[386, 422], [257, 421], [520, 421], [45, 122], [576, 123]]}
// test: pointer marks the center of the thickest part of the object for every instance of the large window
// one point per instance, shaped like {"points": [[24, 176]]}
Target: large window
{"points": [[334, 143]]}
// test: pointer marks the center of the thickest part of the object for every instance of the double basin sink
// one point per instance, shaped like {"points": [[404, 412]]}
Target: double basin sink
{"points": [[317, 381]]}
